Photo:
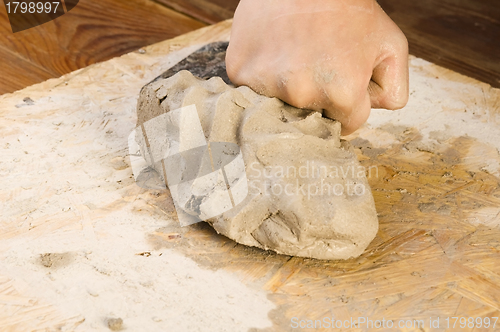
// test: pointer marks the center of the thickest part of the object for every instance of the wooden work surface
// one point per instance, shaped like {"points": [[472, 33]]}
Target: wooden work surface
{"points": [[68, 193]]}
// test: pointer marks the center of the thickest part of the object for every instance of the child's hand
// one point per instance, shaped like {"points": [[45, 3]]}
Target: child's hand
{"points": [[340, 56]]}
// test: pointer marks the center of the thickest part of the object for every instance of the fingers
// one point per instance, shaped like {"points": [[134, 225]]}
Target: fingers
{"points": [[237, 60], [349, 103], [299, 89], [353, 114], [358, 117], [389, 87], [368, 68]]}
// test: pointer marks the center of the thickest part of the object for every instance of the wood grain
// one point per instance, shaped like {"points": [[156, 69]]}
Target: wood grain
{"points": [[208, 11], [18, 72], [461, 35], [93, 31]]}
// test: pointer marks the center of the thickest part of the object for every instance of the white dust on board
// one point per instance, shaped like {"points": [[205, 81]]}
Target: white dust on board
{"points": [[114, 277], [68, 231]]}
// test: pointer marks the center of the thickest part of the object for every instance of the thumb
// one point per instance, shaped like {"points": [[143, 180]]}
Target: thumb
{"points": [[389, 86]]}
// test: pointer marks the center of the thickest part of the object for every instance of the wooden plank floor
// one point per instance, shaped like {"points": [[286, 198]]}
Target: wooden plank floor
{"points": [[461, 35], [93, 31]]}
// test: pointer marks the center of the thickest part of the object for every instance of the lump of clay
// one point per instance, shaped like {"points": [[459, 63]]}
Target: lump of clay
{"points": [[307, 194]]}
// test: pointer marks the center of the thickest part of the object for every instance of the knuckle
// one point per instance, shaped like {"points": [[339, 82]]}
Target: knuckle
{"points": [[345, 98], [301, 95]]}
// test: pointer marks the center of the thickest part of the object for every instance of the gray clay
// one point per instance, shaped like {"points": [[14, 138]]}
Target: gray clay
{"points": [[307, 194]]}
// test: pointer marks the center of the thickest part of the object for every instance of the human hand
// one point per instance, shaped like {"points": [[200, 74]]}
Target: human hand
{"points": [[340, 57]]}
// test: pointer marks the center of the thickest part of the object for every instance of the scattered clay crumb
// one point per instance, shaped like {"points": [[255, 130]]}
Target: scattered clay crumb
{"points": [[172, 236], [115, 324], [366, 147], [427, 207], [441, 136], [119, 163], [444, 210], [27, 102], [56, 260], [396, 130]]}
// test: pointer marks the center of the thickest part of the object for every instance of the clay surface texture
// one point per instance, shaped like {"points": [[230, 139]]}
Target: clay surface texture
{"points": [[307, 194]]}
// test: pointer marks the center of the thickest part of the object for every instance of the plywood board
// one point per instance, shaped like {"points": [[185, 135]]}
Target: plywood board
{"points": [[80, 243]]}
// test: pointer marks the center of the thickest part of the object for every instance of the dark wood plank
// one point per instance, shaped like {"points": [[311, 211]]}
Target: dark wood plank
{"points": [[17, 73], [208, 11], [93, 31], [462, 35]]}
